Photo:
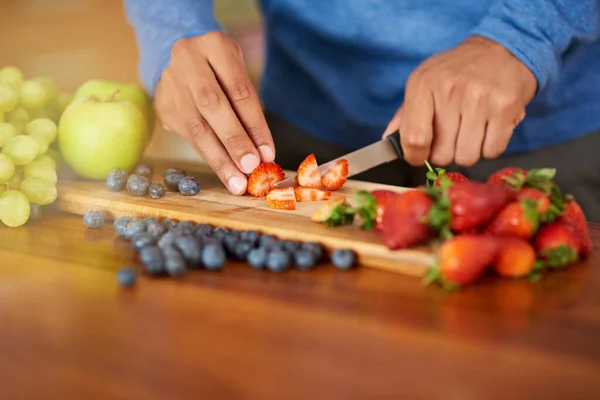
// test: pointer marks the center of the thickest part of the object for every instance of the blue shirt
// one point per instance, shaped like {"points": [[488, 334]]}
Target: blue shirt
{"points": [[337, 68]]}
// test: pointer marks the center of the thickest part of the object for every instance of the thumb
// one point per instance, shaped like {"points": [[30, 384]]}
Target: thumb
{"points": [[394, 124]]}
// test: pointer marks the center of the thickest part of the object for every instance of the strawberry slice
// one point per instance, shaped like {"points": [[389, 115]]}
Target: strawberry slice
{"points": [[381, 197], [308, 173], [310, 194], [282, 199], [336, 176], [263, 178]]}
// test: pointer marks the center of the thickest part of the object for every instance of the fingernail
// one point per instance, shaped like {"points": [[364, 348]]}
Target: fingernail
{"points": [[236, 185], [266, 153], [249, 163]]}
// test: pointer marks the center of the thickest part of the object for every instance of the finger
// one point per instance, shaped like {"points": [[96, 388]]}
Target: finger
{"points": [[197, 131], [446, 124], [471, 133], [243, 98], [394, 124], [416, 127], [216, 110], [498, 134]]}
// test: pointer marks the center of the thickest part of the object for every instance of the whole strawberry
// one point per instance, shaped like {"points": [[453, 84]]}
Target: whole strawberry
{"points": [[381, 197], [517, 219], [462, 259], [573, 215], [557, 244], [436, 176], [404, 220], [507, 176], [515, 258]]}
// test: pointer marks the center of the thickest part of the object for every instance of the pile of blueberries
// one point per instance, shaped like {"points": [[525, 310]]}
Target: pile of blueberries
{"points": [[139, 183], [169, 247]]}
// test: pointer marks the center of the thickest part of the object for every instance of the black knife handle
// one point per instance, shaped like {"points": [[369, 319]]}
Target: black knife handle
{"points": [[395, 139]]}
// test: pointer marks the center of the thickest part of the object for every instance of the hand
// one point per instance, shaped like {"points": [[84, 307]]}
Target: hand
{"points": [[205, 95], [463, 104]]}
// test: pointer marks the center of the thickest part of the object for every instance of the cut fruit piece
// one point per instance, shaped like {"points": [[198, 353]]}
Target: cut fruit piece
{"points": [[335, 212], [263, 178], [336, 176], [308, 173], [282, 199], [311, 194]]}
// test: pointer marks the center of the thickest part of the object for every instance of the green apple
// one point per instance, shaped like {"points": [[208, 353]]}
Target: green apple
{"points": [[133, 93], [98, 134]]}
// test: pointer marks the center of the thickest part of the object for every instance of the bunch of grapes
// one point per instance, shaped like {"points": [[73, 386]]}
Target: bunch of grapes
{"points": [[29, 112]]}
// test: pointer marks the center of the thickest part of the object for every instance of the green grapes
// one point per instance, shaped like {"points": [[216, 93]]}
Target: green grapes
{"points": [[14, 208], [44, 127], [33, 95], [11, 76], [45, 159], [7, 131], [22, 149], [41, 141], [39, 190], [19, 117], [37, 169], [7, 169], [9, 98]]}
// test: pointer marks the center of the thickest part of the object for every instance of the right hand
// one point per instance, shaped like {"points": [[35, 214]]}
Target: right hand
{"points": [[206, 96]]}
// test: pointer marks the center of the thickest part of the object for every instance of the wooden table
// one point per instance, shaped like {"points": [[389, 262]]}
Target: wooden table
{"points": [[67, 331]]}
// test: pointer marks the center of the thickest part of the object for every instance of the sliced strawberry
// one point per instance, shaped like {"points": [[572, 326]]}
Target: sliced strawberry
{"points": [[506, 175], [336, 176], [573, 215], [310, 194], [557, 244], [308, 173], [335, 212], [263, 178], [380, 199], [282, 199], [515, 258]]}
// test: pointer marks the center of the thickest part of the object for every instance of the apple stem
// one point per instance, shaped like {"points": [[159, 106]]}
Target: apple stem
{"points": [[114, 95]]}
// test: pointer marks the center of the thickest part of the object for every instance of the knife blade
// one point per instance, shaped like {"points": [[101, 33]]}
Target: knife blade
{"points": [[361, 160]]}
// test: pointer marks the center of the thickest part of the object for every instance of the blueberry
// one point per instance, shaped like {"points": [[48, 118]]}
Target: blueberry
{"points": [[188, 186], [241, 250], [117, 179], [169, 223], [266, 240], [207, 241], [213, 256], [250, 237], [120, 224], [290, 246], [157, 190], [138, 185], [171, 180], [144, 170], [175, 171], [36, 211], [156, 229], [229, 242], [185, 227], [314, 248], [167, 240], [93, 219], [278, 261], [257, 258], [141, 240], [174, 262], [203, 230], [304, 259], [126, 277], [190, 248], [343, 258], [152, 259], [149, 220], [220, 232], [134, 226]]}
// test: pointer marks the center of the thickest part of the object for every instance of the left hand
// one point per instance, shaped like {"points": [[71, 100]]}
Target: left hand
{"points": [[463, 104]]}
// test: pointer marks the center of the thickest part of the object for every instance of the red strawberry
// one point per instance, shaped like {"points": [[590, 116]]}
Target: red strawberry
{"points": [[466, 206], [462, 259], [310, 194], [518, 219], [282, 199], [438, 175], [557, 244], [543, 201], [381, 197], [515, 257], [263, 178], [506, 175], [403, 223], [336, 176], [308, 173], [573, 215]]}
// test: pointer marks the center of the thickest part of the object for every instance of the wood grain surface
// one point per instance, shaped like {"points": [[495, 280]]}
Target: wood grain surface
{"points": [[67, 331], [215, 205]]}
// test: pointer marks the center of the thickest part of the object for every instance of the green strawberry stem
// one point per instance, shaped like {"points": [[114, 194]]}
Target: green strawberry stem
{"points": [[342, 214], [434, 174], [367, 208]]}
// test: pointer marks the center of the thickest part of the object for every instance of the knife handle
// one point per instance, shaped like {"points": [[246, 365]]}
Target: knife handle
{"points": [[395, 139]]}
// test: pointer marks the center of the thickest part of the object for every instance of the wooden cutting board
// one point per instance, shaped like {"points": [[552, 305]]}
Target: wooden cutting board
{"points": [[214, 205]]}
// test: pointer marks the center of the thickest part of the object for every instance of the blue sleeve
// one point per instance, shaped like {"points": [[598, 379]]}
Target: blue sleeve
{"points": [[158, 24], [539, 32]]}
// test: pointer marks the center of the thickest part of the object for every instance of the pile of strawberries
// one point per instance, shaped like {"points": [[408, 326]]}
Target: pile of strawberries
{"points": [[311, 185], [517, 223]]}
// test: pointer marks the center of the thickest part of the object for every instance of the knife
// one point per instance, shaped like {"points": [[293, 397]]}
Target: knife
{"points": [[361, 160]]}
